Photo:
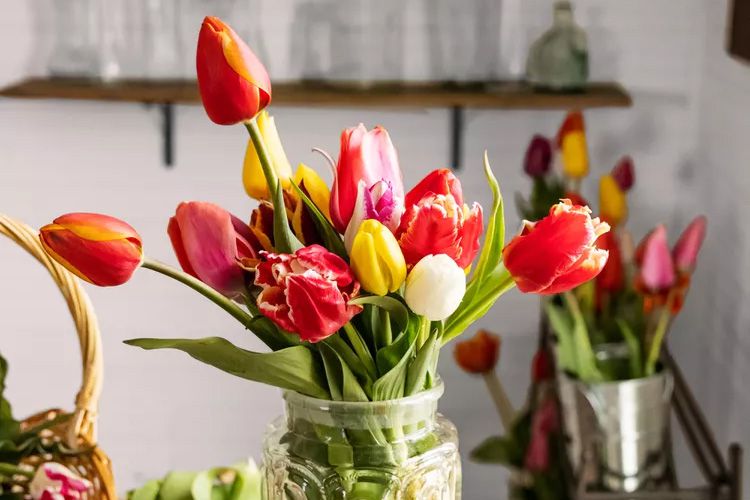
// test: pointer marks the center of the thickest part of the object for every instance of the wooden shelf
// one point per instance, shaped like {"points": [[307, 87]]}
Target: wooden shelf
{"points": [[500, 95], [456, 98]]}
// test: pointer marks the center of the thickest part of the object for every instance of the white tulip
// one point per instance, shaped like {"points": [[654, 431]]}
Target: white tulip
{"points": [[435, 287]]}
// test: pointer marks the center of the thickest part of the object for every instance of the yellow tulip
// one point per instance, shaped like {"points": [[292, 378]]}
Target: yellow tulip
{"points": [[613, 202], [376, 258], [318, 192], [252, 172], [575, 157]]}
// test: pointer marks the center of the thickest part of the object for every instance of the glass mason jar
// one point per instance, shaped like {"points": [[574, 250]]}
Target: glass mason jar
{"points": [[336, 450]]}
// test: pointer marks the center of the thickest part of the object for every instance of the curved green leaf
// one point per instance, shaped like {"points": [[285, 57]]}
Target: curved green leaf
{"points": [[283, 238], [393, 383], [395, 307], [294, 368]]}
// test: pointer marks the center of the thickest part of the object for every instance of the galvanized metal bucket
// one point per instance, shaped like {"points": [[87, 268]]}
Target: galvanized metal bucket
{"points": [[623, 427]]}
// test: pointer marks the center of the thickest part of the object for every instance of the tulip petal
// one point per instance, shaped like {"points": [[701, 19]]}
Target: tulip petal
{"points": [[432, 228], [97, 227], [586, 268], [657, 269], [437, 182], [686, 249], [316, 307], [471, 230]]}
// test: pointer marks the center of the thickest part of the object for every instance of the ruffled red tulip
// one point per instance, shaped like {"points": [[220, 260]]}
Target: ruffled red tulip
{"points": [[211, 244], [538, 158], [233, 83], [686, 249], [437, 221], [307, 292], [97, 248], [612, 277], [624, 173], [657, 268], [478, 354], [367, 168], [544, 422], [557, 253]]}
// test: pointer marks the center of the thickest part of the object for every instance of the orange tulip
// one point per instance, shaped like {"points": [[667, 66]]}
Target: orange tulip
{"points": [[478, 354], [233, 83], [97, 248], [557, 253]]}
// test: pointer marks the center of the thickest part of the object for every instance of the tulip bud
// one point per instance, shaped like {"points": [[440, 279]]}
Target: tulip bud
{"points": [[571, 140], [657, 269], [478, 354], [252, 172], [97, 248], [557, 253], [435, 287], [376, 259], [233, 83], [376, 202], [613, 203], [624, 173], [686, 249], [538, 157]]}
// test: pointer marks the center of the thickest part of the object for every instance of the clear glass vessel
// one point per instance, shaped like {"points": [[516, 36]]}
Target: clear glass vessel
{"points": [[335, 450]]}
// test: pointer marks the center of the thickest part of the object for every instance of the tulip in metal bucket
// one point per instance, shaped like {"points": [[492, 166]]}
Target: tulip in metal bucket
{"points": [[622, 426]]}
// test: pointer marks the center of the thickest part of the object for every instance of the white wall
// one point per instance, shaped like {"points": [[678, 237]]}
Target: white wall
{"points": [[162, 410]]}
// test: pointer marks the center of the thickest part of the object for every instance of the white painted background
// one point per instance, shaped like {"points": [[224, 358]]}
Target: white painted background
{"points": [[688, 133]]}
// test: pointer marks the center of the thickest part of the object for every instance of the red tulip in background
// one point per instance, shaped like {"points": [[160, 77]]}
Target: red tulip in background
{"points": [[557, 253], [544, 422], [307, 292], [612, 277], [437, 221], [367, 158], [478, 354], [624, 173], [234, 85], [538, 158], [97, 248], [542, 367], [210, 244]]}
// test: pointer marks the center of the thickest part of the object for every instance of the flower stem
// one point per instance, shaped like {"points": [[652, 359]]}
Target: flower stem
{"points": [[500, 398], [200, 287], [360, 348], [265, 159], [10, 470], [658, 336]]}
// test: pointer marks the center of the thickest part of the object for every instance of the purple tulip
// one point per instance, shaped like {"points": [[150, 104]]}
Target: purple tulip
{"points": [[538, 157]]}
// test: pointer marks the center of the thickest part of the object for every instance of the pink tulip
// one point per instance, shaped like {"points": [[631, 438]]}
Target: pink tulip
{"points": [[624, 173], [686, 249], [544, 422], [307, 292], [657, 269], [210, 243], [367, 156]]}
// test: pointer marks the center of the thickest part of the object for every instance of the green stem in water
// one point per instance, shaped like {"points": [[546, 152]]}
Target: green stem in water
{"points": [[500, 398], [200, 287], [658, 337]]}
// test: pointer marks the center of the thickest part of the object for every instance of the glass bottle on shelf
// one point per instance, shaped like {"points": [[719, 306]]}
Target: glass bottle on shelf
{"points": [[162, 44], [76, 42]]}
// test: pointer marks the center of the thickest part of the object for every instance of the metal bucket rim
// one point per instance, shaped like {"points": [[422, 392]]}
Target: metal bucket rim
{"points": [[664, 373]]}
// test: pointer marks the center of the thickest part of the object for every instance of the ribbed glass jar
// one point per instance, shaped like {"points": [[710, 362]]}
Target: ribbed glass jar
{"points": [[335, 450]]}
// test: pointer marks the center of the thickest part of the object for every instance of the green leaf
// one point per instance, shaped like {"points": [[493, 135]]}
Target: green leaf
{"points": [[349, 357], [178, 486], [149, 491], [416, 376], [397, 309], [393, 383], [350, 389], [562, 324], [584, 353], [331, 238], [271, 335], [494, 450], [390, 356], [293, 368], [494, 239], [333, 372], [634, 346]]}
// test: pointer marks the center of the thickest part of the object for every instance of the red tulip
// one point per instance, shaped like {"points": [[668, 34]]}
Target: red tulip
{"points": [[307, 292], [437, 221], [210, 244], [542, 367], [478, 354], [233, 83], [97, 248], [657, 268], [685, 252], [624, 173], [369, 159], [576, 199], [538, 157], [557, 253], [612, 278]]}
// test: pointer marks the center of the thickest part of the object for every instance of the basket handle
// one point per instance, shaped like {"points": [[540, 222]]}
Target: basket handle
{"points": [[82, 427]]}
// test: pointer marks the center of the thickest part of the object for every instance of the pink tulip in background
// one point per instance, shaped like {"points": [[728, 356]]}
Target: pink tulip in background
{"points": [[657, 269], [685, 252], [367, 167], [210, 244]]}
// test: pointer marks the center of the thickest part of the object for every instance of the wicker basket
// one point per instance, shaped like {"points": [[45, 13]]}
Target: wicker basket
{"points": [[79, 432]]}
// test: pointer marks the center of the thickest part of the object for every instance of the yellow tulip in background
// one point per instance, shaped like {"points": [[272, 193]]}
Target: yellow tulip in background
{"points": [[376, 258], [613, 202], [575, 157], [252, 172]]}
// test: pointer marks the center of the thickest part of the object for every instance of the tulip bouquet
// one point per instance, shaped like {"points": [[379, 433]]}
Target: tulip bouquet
{"points": [[632, 301], [354, 289]]}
